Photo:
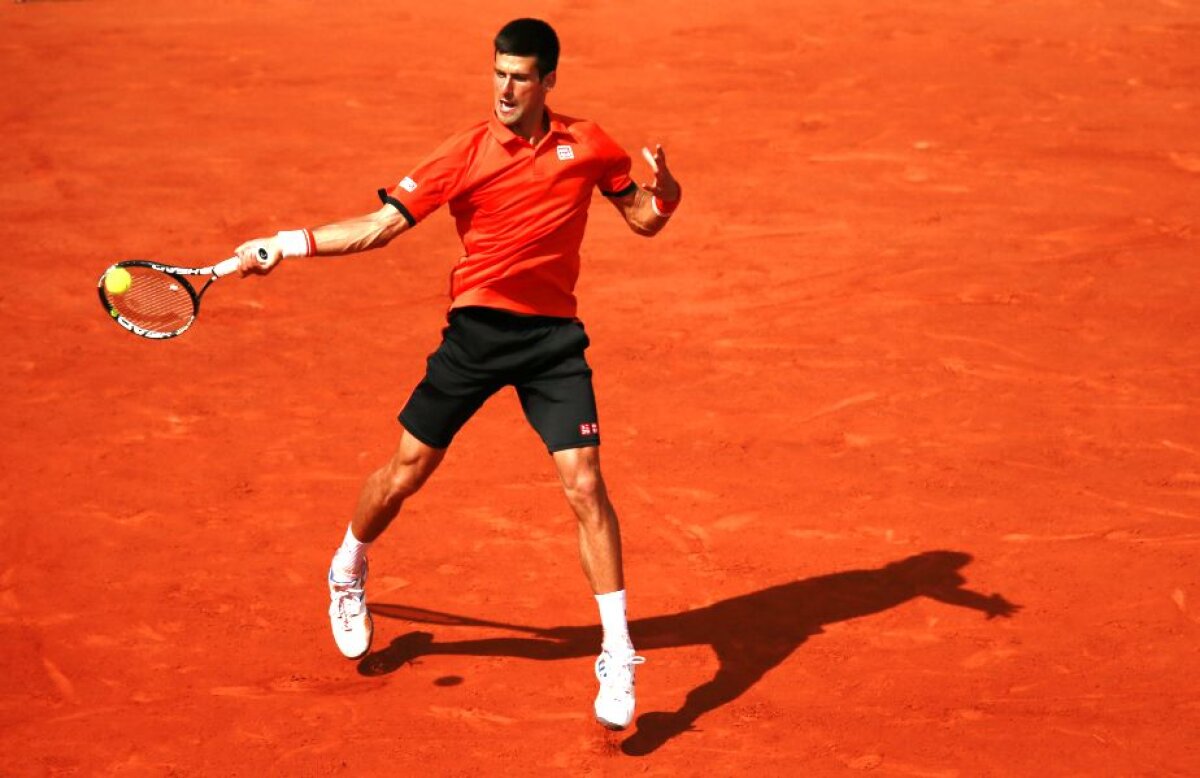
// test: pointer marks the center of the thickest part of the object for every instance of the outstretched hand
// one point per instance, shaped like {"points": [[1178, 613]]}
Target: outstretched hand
{"points": [[251, 261], [664, 186]]}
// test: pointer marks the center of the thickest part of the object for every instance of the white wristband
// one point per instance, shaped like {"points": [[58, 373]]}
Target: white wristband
{"points": [[295, 243]]}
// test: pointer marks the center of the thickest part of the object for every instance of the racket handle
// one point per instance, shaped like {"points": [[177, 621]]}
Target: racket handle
{"points": [[227, 266]]}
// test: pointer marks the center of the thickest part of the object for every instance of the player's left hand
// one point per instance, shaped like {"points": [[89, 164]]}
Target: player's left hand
{"points": [[664, 186]]}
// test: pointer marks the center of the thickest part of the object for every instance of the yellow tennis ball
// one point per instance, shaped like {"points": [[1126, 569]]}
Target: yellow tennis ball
{"points": [[117, 281]]}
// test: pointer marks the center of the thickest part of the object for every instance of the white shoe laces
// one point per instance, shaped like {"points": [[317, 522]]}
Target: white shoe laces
{"points": [[342, 594]]}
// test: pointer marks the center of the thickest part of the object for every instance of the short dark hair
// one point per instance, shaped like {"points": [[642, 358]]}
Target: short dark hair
{"points": [[530, 38]]}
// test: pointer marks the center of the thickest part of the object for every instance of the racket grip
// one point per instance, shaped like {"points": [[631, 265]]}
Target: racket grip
{"points": [[226, 267]]}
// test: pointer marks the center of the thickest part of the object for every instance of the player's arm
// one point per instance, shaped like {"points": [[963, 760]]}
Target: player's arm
{"points": [[648, 207], [360, 233]]}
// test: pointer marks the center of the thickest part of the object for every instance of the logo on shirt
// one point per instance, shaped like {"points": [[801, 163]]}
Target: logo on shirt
{"points": [[589, 429], [566, 152], [408, 185]]}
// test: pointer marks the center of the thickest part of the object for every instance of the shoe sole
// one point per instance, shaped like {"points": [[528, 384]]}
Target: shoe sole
{"points": [[609, 725]]}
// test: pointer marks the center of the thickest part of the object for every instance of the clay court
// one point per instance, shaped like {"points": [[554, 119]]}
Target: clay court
{"points": [[899, 412]]}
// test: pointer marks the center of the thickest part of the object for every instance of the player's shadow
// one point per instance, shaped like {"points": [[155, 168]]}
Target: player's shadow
{"points": [[750, 633]]}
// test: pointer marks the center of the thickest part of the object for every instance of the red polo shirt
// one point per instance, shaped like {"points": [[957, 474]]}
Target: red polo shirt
{"points": [[520, 209]]}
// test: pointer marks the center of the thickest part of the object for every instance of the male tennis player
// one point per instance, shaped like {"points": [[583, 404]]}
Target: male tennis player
{"points": [[518, 186]]}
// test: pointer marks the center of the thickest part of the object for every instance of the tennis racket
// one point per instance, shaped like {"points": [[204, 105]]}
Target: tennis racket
{"points": [[159, 301]]}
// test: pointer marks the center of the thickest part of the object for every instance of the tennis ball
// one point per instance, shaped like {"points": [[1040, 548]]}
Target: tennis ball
{"points": [[117, 281]]}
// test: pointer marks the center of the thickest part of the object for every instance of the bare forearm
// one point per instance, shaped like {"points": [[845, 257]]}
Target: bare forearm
{"points": [[360, 233], [643, 218]]}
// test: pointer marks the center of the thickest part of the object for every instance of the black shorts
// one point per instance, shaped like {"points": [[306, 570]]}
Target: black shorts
{"points": [[484, 350]]}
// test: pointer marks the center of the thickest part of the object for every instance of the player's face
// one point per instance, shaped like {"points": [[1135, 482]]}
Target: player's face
{"points": [[519, 93]]}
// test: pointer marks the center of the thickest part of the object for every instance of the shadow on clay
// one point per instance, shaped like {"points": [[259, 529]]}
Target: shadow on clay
{"points": [[750, 633]]}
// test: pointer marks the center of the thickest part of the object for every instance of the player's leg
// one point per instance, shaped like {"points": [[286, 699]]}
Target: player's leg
{"points": [[599, 529], [452, 390], [560, 403], [388, 487], [379, 502], [600, 554]]}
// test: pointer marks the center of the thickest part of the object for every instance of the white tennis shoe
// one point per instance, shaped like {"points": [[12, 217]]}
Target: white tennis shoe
{"points": [[616, 701], [349, 617]]}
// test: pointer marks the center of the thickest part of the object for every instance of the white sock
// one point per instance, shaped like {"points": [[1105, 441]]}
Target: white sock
{"points": [[612, 618], [348, 559]]}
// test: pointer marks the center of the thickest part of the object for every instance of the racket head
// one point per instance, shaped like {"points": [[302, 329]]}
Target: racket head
{"points": [[159, 303]]}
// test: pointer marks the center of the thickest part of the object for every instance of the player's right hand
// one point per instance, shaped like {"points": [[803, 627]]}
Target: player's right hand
{"points": [[252, 261]]}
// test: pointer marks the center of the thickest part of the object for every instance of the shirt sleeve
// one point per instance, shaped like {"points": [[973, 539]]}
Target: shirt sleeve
{"points": [[430, 184], [614, 177]]}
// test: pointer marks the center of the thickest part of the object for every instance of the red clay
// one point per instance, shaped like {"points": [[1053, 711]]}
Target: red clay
{"points": [[920, 343]]}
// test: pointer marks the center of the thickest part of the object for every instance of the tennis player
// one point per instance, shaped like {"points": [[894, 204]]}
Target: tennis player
{"points": [[518, 185]]}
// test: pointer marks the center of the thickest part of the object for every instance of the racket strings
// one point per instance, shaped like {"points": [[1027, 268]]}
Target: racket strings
{"points": [[155, 301]]}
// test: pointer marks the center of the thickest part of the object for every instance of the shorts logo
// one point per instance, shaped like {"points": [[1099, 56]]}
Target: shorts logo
{"points": [[408, 185], [566, 152], [589, 429]]}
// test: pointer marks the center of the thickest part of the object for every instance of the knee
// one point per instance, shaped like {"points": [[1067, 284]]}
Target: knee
{"points": [[405, 475], [585, 491], [398, 485]]}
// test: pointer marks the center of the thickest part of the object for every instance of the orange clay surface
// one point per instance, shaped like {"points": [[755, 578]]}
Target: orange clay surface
{"points": [[899, 413]]}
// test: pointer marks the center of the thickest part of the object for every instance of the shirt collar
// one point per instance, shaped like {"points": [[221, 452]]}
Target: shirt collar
{"points": [[506, 136], [557, 126]]}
